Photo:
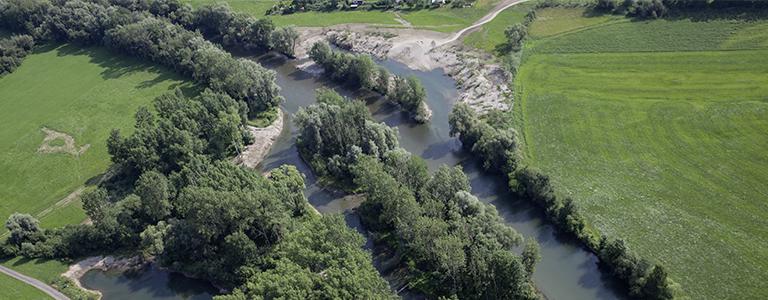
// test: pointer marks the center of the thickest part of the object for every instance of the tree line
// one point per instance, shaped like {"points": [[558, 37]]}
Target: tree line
{"points": [[655, 9], [13, 51], [360, 70], [451, 243], [175, 195], [167, 33], [500, 151]]}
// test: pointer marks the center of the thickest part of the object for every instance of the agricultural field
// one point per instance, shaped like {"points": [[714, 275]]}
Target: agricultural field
{"points": [[449, 19], [660, 137], [35, 173]]}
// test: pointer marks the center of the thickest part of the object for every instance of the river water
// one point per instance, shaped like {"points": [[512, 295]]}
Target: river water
{"points": [[147, 283], [567, 270]]}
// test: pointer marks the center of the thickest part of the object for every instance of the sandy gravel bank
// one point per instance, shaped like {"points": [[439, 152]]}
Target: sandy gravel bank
{"points": [[265, 138]]}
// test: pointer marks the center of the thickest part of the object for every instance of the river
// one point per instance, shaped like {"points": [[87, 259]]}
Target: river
{"points": [[567, 270]]}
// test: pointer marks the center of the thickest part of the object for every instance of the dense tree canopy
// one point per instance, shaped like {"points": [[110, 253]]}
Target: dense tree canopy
{"points": [[336, 131], [180, 198], [450, 242], [409, 93], [13, 51]]}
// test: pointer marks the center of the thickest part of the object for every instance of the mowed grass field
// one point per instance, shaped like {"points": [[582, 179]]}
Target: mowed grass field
{"points": [[45, 270], [81, 92], [16, 289], [666, 150], [457, 18]]}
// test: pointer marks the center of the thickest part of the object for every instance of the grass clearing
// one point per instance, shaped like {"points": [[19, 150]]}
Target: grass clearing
{"points": [[665, 150], [43, 93]]}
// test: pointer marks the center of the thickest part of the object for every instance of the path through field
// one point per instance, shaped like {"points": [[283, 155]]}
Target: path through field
{"points": [[485, 19], [34, 282]]}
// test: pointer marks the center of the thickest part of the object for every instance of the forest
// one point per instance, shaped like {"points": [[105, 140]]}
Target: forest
{"points": [[452, 244]]}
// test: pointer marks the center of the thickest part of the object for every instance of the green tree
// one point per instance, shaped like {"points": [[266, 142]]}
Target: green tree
{"points": [[284, 39], [289, 177], [516, 34], [382, 80], [93, 201], [22, 226], [531, 255], [154, 190], [364, 71], [409, 93], [656, 287]]}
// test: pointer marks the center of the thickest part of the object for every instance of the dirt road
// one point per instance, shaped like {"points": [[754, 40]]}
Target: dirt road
{"points": [[485, 19], [34, 282]]}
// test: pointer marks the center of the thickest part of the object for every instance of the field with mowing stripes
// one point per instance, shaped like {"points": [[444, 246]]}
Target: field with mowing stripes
{"points": [[16, 289], [453, 18], [80, 92], [663, 143]]}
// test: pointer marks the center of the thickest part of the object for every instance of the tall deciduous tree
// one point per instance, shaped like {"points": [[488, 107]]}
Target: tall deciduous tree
{"points": [[22, 226]]}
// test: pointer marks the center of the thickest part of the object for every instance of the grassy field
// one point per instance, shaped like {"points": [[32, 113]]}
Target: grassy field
{"points": [[15, 289], [44, 270], [44, 92], [456, 17], [666, 150]]}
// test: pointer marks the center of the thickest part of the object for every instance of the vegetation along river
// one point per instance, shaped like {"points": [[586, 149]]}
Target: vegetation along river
{"points": [[567, 270]]}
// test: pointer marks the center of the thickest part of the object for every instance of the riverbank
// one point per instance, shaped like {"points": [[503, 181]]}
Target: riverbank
{"points": [[480, 75], [101, 263], [264, 139], [79, 269]]}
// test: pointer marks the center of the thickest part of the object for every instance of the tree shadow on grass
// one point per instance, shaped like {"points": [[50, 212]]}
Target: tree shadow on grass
{"points": [[116, 65]]}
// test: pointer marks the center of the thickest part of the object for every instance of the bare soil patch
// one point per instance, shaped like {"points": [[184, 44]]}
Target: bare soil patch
{"points": [[69, 143]]}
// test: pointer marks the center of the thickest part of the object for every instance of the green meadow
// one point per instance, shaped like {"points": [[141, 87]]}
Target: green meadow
{"points": [[449, 19], [16, 289], [81, 92], [45, 270], [663, 143]]}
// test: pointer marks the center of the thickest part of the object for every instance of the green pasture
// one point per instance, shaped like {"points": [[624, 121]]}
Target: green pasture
{"points": [[45, 270], [551, 21], [449, 19], [631, 35], [16, 289], [81, 92], [665, 150]]}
